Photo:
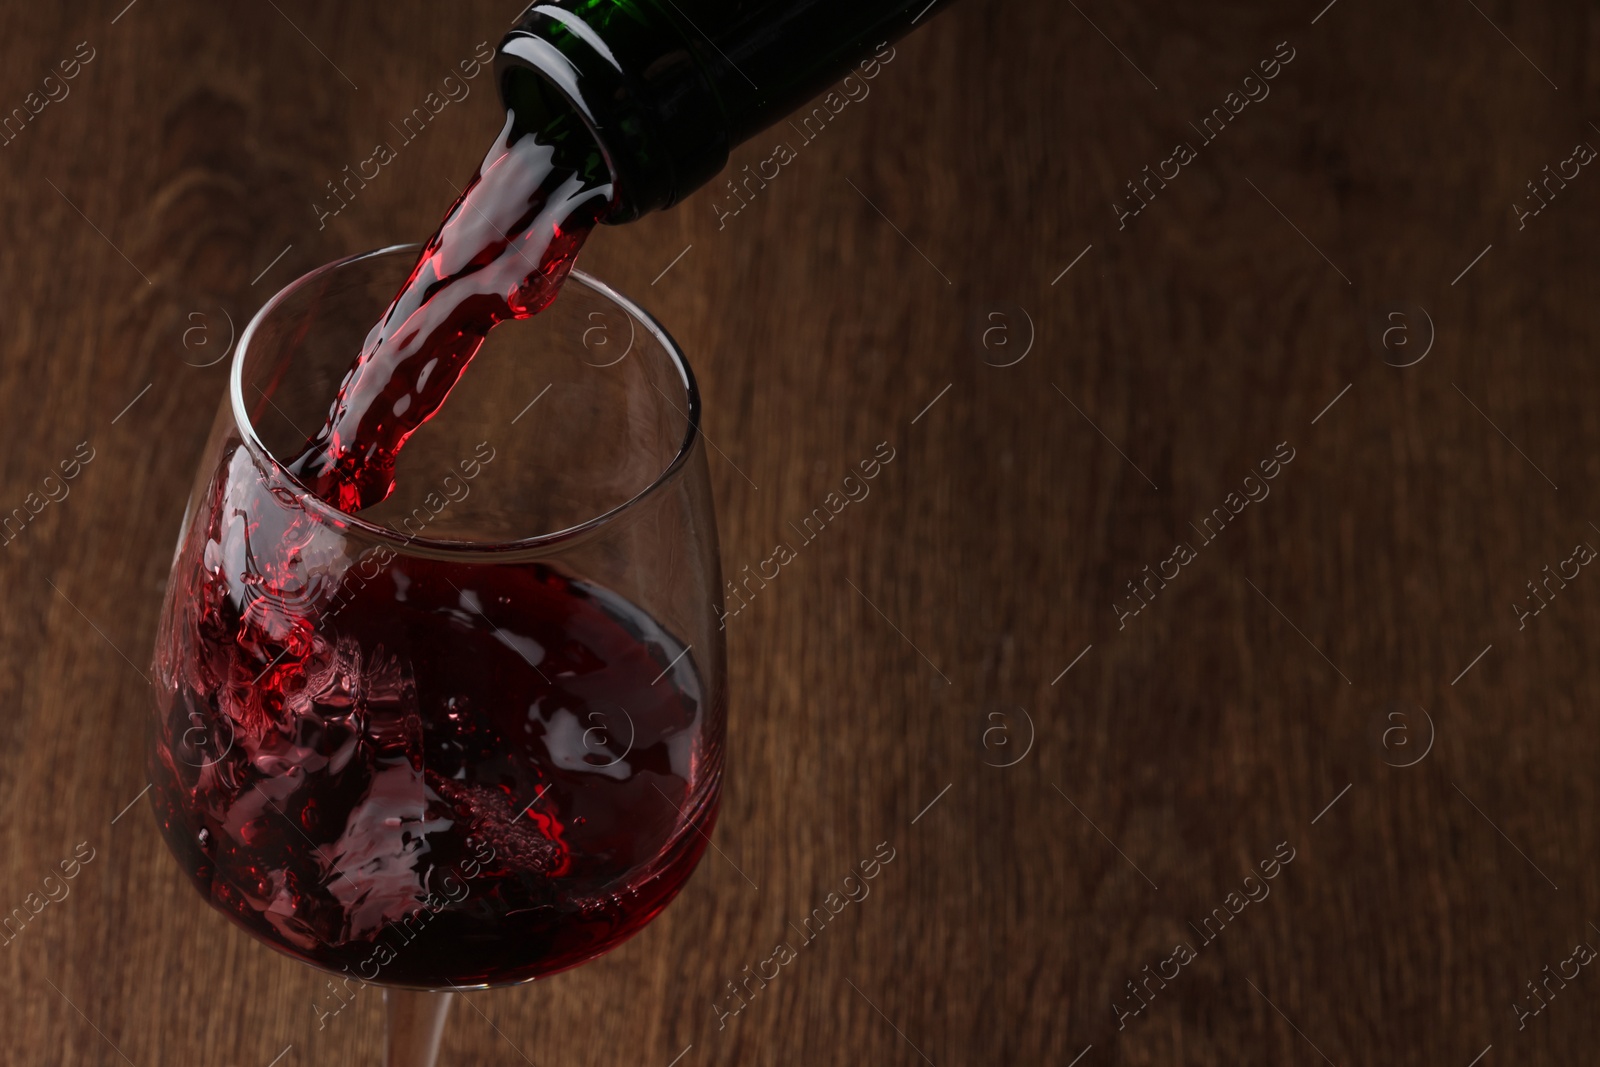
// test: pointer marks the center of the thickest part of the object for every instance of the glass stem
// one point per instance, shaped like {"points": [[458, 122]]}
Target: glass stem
{"points": [[416, 1023]]}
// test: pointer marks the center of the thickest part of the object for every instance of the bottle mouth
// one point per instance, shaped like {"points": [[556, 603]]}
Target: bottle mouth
{"points": [[540, 103], [499, 550], [652, 112]]}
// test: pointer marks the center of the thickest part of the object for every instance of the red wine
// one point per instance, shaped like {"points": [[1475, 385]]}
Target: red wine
{"points": [[425, 772], [501, 253]]}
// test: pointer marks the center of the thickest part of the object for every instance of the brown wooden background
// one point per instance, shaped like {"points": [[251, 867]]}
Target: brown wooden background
{"points": [[145, 210]]}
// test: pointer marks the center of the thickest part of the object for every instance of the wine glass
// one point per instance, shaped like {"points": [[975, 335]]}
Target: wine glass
{"points": [[473, 735]]}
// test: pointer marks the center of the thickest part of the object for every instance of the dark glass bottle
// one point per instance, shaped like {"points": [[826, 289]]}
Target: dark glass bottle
{"points": [[667, 87]]}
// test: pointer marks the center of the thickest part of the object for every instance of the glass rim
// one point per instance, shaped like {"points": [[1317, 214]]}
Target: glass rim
{"points": [[450, 546]]}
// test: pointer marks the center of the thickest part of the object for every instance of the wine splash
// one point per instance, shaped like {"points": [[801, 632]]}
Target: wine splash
{"points": [[446, 772]]}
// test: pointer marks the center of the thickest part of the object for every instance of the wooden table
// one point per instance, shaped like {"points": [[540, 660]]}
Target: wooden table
{"points": [[1078, 660]]}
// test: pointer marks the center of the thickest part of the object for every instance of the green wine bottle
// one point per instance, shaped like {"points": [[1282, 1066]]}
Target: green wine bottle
{"points": [[664, 88]]}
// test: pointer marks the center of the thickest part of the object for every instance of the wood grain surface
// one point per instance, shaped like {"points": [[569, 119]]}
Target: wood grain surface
{"points": [[1344, 667]]}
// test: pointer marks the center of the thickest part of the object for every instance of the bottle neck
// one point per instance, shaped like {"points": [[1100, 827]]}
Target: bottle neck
{"points": [[668, 87]]}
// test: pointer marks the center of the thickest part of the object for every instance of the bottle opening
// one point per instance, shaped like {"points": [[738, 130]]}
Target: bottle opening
{"points": [[540, 108], [621, 77]]}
